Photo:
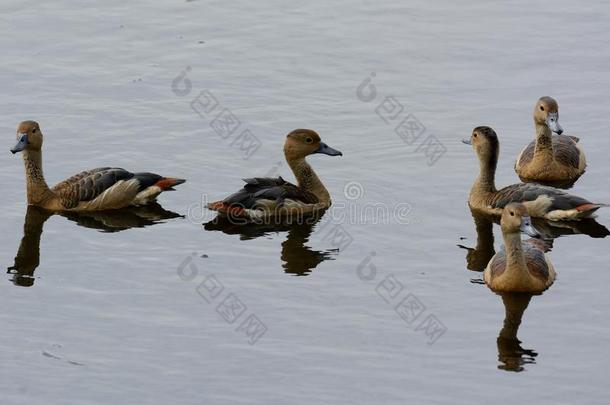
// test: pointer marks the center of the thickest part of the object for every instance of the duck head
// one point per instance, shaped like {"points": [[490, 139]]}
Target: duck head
{"points": [[546, 112], [29, 137], [304, 142], [515, 218], [485, 143]]}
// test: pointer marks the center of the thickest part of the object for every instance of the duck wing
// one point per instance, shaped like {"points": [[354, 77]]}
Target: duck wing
{"points": [[533, 251], [88, 185], [268, 188], [566, 151], [535, 259], [524, 192]]}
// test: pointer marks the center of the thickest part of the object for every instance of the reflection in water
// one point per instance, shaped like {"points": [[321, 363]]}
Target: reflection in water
{"points": [[510, 353], [478, 257], [298, 258], [28, 255]]}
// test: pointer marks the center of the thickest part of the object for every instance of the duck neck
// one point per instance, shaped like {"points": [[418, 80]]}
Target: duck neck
{"points": [[308, 180], [515, 259], [37, 189], [544, 141], [485, 183]]}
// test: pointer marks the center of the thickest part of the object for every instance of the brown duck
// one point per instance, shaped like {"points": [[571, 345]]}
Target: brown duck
{"points": [[550, 159], [99, 189], [264, 197], [520, 266], [541, 201]]}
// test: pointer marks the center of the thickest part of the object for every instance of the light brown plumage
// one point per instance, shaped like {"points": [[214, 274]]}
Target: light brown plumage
{"points": [[556, 160], [93, 190], [274, 197], [541, 201], [520, 266]]}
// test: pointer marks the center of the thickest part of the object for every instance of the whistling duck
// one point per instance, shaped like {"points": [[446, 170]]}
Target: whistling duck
{"points": [[99, 189], [541, 201], [550, 159], [520, 266], [274, 197]]}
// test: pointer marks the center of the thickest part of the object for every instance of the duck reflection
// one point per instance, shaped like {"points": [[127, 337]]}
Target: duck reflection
{"points": [[478, 257], [510, 352], [297, 258], [28, 255]]}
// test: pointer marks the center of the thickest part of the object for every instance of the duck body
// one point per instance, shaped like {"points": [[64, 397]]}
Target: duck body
{"points": [[541, 201], [104, 188], [519, 266], [264, 197], [505, 275], [564, 166], [556, 160], [108, 188], [265, 194]]}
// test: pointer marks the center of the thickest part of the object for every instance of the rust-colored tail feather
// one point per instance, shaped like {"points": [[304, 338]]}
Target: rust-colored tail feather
{"points": [[586, 210], [588, 207], [167, 183]]}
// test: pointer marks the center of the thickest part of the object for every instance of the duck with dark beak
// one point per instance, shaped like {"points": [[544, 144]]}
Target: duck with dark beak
{"points": [[22, 143], [553, 160]]}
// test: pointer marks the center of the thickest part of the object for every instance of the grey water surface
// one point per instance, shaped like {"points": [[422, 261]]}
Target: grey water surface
{"points": [[373, 304]]}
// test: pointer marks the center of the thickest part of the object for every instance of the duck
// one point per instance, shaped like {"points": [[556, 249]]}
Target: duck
{"points": [[541, 201], [104, 188], [520, 266], [264, 197], [557, 160]]}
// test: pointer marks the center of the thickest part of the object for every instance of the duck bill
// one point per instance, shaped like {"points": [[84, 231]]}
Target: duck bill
{"points": [[21, 144], [553, 123], [327, 150], [467, 141], [528, 228]]}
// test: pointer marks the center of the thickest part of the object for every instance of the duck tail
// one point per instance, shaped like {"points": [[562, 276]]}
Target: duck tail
{"points": [[168, 183], [586, 210], [226, 209]]}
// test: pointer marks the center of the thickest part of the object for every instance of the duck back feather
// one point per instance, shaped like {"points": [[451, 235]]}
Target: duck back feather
{"points": [[267, 188]]}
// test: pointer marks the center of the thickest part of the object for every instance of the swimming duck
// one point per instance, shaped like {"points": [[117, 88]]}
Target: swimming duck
{"points": [[551, 159], [541, 201], [268, 197], [520, 266], [99, 189]]}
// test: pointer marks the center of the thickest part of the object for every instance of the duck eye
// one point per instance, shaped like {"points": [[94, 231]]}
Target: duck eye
{"points": [[475, 134], [34, 131], [541, 108], [512, 214], [308, 140]]}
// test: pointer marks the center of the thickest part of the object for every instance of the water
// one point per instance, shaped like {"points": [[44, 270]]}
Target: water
{"points": [[108, 317]]}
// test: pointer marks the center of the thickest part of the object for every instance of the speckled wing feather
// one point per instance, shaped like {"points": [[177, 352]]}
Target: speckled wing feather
{"points": [[87, 185], [534, 257], [527, 155], [267, 188], [536, 261], [498, 263], [566, 151], [564, 147], [523, 192]]}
